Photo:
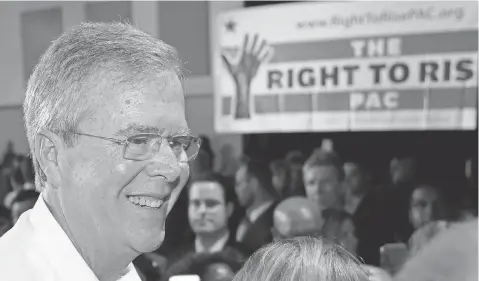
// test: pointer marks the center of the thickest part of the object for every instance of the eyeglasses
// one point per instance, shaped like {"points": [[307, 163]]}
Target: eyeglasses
{"points": [[144, 146]]}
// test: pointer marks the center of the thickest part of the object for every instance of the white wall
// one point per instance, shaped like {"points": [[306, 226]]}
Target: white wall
{"points": [[146, 16]]}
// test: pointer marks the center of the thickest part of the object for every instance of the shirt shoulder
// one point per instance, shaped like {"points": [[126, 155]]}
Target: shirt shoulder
{"points": [[20, 258]]}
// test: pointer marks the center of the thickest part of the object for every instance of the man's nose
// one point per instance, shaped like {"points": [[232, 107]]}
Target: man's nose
{"points": [[164, 163], [201, 209]]}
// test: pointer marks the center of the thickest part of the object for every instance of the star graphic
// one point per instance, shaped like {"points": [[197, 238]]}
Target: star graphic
{"points": [[230, 26]]}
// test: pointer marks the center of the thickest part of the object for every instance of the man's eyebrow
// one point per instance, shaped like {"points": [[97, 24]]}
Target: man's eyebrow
{"points": [[132, 129]]}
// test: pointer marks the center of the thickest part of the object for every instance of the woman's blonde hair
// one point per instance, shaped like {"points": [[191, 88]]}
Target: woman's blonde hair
{"points": [[301, 259]]}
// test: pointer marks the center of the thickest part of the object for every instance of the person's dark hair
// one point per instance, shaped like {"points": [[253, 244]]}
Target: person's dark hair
{"points": [[228, 190], [281, 167], [335, 218], [295, 157], [197, 264], [25, 195], [260, 170]]}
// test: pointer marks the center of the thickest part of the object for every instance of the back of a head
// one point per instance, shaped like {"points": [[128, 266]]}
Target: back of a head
{"points": [[297, 216], [450, 256], [301, 259]]}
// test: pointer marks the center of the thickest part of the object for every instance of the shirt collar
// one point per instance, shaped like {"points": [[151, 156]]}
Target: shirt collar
{"points": [[258, 211], [59, 249], [218, 246]]}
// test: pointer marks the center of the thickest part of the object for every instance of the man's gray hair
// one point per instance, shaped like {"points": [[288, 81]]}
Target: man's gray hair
{"points": [[55, 99]]}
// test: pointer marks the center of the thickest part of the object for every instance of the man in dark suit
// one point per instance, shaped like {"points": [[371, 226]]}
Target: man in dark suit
{"points": [[210, 205], [257, 195]]}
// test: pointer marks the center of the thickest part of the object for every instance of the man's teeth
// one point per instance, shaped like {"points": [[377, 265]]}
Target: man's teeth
{"points": [[148, 202]]}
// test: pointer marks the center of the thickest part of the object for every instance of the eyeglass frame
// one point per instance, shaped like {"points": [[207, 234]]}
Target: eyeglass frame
{"points": [[126, 141]]}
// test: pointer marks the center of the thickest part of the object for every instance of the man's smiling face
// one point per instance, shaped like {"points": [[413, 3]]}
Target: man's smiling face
{"points": [[123, 199]]}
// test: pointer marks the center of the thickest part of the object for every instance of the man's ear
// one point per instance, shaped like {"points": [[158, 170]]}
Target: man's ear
{"points": [[230, 208], [47, 145]]}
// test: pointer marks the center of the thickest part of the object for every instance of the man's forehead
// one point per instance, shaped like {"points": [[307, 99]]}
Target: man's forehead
{"points": [[321, 170], [424, 193], [162, 88], [205, 188]]}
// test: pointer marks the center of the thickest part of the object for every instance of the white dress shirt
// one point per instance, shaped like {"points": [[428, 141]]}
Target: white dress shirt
{"points": [[37, 248], [218, 246], [253, 216]]}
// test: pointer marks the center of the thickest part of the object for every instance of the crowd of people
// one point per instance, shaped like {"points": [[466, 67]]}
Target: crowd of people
{"points": [[228, 218]]}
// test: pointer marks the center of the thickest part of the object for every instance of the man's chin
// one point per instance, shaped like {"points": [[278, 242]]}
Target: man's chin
{"points": [[150, 244]]}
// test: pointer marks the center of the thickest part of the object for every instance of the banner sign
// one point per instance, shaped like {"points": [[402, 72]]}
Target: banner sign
{"points": [[347, 67]]}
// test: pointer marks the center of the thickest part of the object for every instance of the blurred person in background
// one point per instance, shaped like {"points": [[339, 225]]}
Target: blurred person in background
{"points": [[295, 161], [339, 228], [219, 266], [257, 195], [429, 215], [426, 206], [451, 255], [356, 186], [296, 216], [281, 177], [16, 176], [301, 259], [210, 207], [363, 201], [323, 177], [24, 201], [395, 207], [105, 119]]}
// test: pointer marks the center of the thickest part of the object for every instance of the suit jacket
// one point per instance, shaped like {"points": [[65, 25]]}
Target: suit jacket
{"points": [[259, 232], [370, 227]]}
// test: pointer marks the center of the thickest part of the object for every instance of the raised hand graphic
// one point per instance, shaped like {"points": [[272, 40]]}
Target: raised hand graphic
{"points": [[244, 71]]}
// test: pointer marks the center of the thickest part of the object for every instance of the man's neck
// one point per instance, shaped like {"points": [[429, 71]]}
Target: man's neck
{"points": [[207, 240], [107, 261]]}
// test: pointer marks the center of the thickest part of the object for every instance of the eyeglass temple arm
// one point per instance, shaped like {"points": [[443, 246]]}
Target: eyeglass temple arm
{"points": [[104, 138]]}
